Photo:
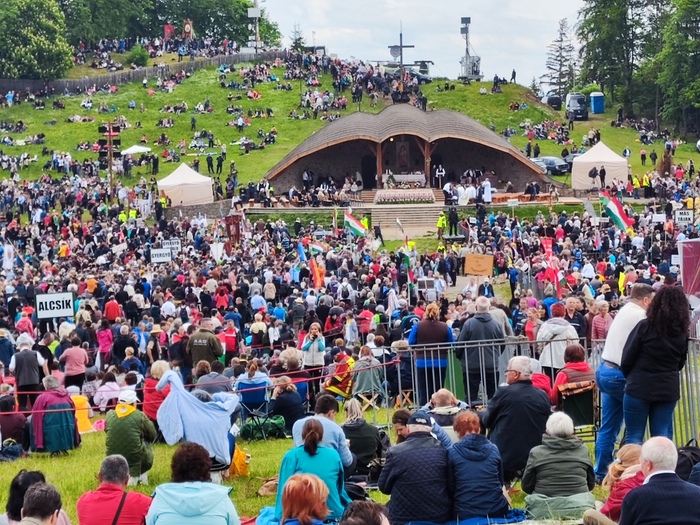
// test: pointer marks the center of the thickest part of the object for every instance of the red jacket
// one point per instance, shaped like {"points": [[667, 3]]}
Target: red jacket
{"points": [[542, 382], [619, 490], [99, 507], [152, 398]]}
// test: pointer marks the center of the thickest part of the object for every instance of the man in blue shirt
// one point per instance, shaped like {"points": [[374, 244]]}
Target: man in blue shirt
{"points": [[333, 436]]}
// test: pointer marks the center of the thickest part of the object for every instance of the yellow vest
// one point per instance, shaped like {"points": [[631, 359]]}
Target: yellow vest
{"points": [[132, 214], [442, 221], [122, 217], [82, 413]]}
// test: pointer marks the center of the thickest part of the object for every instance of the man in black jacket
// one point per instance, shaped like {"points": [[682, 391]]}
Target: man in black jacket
{"points": [[415, 474], [516, 417]]}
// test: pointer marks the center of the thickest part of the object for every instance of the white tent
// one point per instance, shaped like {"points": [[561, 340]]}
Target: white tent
{"points": [[599, 155], [186, 187], [136, 149]]}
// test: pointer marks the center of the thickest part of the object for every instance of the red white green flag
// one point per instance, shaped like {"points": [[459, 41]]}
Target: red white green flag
{"points": [[615, 212], [354, 225]]}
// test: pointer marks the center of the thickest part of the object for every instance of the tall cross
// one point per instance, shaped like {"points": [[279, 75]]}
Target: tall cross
{"points": [[400, 49]]}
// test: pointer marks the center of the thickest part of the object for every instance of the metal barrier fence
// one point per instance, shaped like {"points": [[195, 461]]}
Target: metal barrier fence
{"points": [[473, 371]]}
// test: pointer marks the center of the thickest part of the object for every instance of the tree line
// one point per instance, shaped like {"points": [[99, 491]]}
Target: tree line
{"points": [[643, 54], [37, 37]]}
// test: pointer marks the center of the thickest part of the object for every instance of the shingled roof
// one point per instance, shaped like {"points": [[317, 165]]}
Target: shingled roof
{"points": [[399, 119]]}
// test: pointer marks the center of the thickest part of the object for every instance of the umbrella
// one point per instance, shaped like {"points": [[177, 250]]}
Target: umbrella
{"points": [[135, 149]]}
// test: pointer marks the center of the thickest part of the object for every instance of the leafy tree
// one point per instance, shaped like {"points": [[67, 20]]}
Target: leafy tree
{"points": [[90, 20], [613, 33], [269, 31], [560, 61], [32, 40], [679, 76], [536, 88], [138, 56]]}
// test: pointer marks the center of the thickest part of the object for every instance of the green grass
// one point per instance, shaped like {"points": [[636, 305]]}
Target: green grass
{"points": [[486, 109], [64, 136], [84, 463]]}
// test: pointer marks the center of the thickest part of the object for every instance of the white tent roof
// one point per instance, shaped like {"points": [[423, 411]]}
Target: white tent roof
{"points": [[599, 155], [186, 187], [135, 149]]}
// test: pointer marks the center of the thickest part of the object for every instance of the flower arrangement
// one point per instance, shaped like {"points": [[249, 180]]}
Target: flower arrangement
{"points": [[404, 196]]}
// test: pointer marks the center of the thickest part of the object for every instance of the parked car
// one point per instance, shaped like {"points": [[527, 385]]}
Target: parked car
{"points": [[540, 164], [422, 79], [576, 106], [555, 165], [553, 101], [569, 159]]}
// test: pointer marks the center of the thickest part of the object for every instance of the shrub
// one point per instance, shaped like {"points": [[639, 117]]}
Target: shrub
{"points": [[138, 56]]}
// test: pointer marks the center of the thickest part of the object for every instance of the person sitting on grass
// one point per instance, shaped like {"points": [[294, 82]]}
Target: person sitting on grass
{"points": [[19, 486], [110, 502], [312, 457], [130, 434], [53, 424], [364, 439], [41, 505], [304, 499], [559, 476], [190, 498]]}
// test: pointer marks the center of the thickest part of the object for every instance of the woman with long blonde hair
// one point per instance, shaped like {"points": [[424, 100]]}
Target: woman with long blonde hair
{"points": [[624, 474]]}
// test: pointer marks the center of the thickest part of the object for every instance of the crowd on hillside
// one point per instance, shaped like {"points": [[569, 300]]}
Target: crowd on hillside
{"points": [[158, 348]]}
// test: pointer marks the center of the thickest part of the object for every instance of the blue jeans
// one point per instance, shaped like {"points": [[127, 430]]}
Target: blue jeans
{"points": [[638, 411], [611, 383]]}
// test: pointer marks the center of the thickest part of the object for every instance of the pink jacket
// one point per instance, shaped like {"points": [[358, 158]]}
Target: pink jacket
{"points": [[75, 359], [105, 339]]}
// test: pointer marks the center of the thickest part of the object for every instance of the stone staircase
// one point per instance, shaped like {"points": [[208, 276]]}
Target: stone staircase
{"points": [[418, 220]]}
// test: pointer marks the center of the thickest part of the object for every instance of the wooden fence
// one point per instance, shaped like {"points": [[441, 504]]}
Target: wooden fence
{"points": [[136, 75]]}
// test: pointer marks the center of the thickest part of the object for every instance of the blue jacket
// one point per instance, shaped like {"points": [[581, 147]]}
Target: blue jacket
{"points": [[333, 437], [327, 466], [415, 474], [7, 350], [184, 417], [474, 465], [192, 502]]}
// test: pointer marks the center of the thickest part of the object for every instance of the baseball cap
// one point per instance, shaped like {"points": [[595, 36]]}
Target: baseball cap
{"points": [[420, 418]]}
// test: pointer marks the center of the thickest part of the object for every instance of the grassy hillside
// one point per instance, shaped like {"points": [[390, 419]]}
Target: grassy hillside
{"points": [[65, 136], [487, 109]]}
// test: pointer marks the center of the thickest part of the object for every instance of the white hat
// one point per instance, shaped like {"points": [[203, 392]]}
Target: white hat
{"points": [[128, 396]]}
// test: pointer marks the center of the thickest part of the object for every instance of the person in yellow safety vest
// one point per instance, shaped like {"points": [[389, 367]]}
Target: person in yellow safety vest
{"points": [[164, 202], [646, 184], [635, 186], [132, 214], [122, 217], [441, 224], [365, 222]]}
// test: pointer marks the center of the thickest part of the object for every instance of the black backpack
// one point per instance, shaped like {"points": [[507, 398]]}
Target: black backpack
{"points": [[346, 292], [688, 457]]}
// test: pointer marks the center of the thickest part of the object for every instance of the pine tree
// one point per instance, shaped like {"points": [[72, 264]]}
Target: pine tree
{"points": [[560, 60]]}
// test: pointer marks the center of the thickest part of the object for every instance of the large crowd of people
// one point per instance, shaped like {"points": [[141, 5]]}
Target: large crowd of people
{"points": [[296, 319]]}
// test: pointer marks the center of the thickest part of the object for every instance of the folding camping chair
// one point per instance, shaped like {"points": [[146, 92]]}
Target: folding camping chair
{"points": [[255, 404], [579, 401]]}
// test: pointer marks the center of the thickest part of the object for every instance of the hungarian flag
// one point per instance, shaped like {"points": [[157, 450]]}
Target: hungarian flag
{"points": [[614, 210], [398, 223], [335, 221], [316, 248], [354, 225]]}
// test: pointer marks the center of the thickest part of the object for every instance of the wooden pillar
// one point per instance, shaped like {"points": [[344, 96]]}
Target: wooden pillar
{"points": [[380, 165]]}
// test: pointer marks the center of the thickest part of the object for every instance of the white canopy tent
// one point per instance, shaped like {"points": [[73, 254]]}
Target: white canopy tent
{"points": [[186, 187], [599, 155], [136, 149]]}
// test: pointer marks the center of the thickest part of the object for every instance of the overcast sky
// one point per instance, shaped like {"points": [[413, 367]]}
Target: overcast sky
{"points": [[506, 34]]}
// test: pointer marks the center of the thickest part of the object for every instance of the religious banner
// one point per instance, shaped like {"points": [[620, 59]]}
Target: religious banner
{"points": [[690, 266], [477, 264], [168, 32]]}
